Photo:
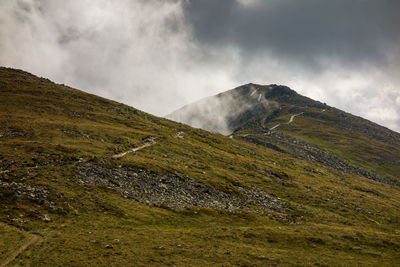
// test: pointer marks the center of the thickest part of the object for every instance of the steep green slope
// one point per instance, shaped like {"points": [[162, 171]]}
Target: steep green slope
{"points": [[183, 197]]}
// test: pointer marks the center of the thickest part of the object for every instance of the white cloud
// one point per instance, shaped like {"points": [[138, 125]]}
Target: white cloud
{"points": [[247, 2], [137, 52]]}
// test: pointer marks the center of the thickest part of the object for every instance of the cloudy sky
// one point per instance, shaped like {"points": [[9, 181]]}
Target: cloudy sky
{"points": [[158, 55]]}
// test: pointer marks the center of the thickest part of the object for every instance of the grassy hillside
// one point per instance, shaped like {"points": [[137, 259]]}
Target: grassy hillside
{"points": [[187, 198], [358, 141], [379, 156]]}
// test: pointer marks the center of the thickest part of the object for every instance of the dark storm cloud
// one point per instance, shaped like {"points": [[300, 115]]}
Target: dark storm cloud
{"points": [[350, 32], [346, 53]]}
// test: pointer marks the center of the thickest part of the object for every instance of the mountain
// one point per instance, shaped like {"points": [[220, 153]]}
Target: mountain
{"points": [[88, 181], [279, 118]]}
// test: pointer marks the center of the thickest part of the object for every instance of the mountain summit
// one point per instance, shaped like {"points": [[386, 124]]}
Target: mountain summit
{"points": [[225, 112]]}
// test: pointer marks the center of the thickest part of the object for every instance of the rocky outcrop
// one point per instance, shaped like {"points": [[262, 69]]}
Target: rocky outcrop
{"points": [[175, 191], [38, 194]]}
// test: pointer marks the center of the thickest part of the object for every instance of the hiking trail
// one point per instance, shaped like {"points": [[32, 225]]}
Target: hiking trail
{"points": [[289, 122], [30, 240], [147, 142]]}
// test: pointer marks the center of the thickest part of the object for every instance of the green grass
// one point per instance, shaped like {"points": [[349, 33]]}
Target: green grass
{"points": [[326, 225], [358, 149], [11, 240]]}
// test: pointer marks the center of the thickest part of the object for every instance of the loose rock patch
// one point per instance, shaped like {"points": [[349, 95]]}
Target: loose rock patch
{"points": [[11, 132], [37, 194], [176, 192]]}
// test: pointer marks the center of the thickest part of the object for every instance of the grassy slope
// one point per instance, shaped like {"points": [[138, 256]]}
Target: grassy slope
{"points": [[11, 239], [366, 152], [325, 225]]}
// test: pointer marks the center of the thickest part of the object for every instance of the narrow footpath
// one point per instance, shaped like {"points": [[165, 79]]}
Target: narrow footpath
{"points": [[30, 240], [149, 142], [289, 122]]}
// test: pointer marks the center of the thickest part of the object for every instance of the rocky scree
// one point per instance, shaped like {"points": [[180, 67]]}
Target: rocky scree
{"points": [[177, 192], [38, 194], [13, 184]]}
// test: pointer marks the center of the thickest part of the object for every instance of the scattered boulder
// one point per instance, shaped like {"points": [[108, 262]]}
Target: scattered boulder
{"points": [[45, 218], [38, 194]]}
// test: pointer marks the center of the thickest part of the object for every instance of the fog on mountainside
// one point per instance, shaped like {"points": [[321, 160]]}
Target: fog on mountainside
{"points": [[222, 113]]}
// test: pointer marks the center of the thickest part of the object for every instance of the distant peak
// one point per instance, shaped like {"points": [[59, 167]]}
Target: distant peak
{"points": [[280, 90], [269, 91]]}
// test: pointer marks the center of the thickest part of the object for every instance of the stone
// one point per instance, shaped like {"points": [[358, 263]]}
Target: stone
{"points": [[45, 218]]}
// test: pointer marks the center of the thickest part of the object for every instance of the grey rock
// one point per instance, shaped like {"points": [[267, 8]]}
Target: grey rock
{"points": [[175, 191]]}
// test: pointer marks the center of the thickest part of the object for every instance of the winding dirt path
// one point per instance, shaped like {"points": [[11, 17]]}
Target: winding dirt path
{"points": [[293, 116], [276, 126], [30, 240], [289, 122], [151, 141]]}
